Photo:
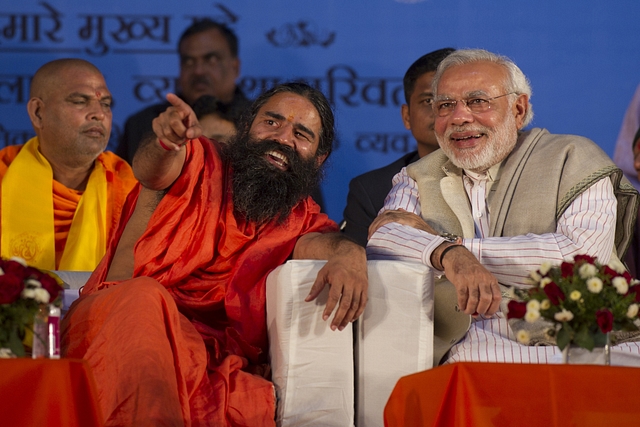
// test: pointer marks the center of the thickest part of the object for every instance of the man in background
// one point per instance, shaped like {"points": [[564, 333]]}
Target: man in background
{"points": [[367, 191], [218, 120], [61, 193], [209, 65]]}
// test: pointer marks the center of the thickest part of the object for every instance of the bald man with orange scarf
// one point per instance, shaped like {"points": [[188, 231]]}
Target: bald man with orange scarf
{"points": [[61, 194]]}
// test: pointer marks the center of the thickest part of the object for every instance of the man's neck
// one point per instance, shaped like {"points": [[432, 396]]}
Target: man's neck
{"points": [[424, 149], [74, 178]]}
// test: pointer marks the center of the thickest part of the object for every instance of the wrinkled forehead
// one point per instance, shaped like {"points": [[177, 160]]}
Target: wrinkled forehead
{"points": [[293, 108]]}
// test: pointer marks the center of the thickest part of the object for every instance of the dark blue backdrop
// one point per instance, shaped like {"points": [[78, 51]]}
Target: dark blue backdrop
{"points": [[582, 58]]}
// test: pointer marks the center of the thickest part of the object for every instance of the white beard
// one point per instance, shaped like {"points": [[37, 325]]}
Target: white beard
{"points": [[500, 141]]}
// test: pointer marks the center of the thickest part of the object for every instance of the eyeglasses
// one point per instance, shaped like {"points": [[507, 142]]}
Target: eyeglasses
{"points": [[476, 104]]}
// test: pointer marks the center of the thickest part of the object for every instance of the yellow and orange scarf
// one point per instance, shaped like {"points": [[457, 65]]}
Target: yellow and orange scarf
{"points": [[27, 215]]}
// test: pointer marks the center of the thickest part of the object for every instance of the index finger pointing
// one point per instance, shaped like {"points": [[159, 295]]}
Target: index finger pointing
{"points": [[180, 105]]}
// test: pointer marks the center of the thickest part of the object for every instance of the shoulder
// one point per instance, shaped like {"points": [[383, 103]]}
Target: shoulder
{"points": [[569, 146], [7, 155], [386, 173]]}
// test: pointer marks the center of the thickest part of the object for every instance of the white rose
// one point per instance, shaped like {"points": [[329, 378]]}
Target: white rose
{"points": [[621, 285], [563, 316], [535, 277], [33, 283], [28, 293], [532, 316], [1, 274], [632, 311], [545, 304], [42, 295], [523, 337], [587, 270], [6, 353], [575, 295], [594, 285], [545, 267], [616, 266]]}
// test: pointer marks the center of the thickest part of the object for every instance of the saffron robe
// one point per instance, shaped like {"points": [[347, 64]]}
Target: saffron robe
{"points": [[120, 181], [185, 341]]}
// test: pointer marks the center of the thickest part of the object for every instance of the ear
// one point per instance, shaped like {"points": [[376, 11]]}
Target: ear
{"points": [[520, 108], [34, 108], [235, 65], [320, 159], [404, 111]]}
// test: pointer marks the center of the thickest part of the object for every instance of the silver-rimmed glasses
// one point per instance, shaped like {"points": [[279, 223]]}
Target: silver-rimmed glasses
{"points": [[475, 104]]}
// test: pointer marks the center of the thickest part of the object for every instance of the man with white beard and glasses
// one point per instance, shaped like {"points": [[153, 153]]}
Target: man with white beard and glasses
{"points": [[173, 320], [495, 202]]}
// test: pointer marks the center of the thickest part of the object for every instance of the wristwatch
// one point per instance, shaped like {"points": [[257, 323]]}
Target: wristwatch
{"points": [[451, 238]]}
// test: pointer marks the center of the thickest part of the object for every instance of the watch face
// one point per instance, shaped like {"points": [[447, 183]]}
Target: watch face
{"points": [[449, 237]]}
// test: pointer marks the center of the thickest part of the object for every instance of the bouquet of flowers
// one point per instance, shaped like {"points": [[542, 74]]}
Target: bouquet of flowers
{"points": [[584, 300], [23, 290]]}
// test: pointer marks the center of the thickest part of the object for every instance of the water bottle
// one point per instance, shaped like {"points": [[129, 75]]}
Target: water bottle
{"points": [[46, 333]]}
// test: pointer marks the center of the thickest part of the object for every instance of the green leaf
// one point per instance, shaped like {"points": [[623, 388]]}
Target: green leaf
{"points": [[564, 336], [584, 339], [15, 343], [599, 339]]}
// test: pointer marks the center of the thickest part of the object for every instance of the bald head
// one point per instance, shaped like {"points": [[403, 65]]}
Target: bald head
{"points": [[70, 110], [48, 76]]}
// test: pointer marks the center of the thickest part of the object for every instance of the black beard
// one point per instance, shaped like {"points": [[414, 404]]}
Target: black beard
{"points": [[262, 192]]}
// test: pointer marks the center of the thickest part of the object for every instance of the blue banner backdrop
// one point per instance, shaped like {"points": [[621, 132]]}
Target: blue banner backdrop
{"points": [[582, 58]]}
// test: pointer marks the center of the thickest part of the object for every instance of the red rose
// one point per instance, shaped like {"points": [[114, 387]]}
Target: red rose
{"points": [[50, 284], [610, 271], [636, 290], [14, 268], [604, 318], [554, 293], [10, 288], [517, 310], [566, 269], [585, 258]]}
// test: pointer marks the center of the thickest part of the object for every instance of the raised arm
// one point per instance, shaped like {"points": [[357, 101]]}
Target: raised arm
{"points": [[159, 159], [345, 272]]}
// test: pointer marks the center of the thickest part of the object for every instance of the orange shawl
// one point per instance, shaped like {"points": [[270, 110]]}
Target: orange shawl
{"points": [[120, 181], [213, 266]]}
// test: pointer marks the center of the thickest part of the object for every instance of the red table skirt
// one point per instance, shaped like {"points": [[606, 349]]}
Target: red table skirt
{"points": [[503, 394], [45, 392]]}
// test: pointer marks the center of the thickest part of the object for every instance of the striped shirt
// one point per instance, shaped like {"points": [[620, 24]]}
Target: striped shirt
{"points": [[586, 227]]}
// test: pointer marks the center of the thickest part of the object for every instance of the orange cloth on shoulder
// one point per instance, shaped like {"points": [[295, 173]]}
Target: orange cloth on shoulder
{"points": [[187, 337], [120, 181]]}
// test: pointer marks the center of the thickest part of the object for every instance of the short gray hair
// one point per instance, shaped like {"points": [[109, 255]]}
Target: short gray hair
{"points": [[516, 82]]}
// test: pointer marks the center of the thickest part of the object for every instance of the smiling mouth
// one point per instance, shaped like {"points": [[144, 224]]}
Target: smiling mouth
{"points": [[468, 137], [277, 159]]}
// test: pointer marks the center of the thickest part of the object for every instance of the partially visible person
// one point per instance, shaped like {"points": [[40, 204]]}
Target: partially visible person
{"points": [[623, 155], [61, 193], [632, 258], [173, 321], [495, 202], [209, 65], [217, 120], [367, 191]]}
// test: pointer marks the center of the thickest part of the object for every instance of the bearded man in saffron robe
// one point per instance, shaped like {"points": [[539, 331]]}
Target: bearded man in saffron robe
{"points": [[61, 194], [173, 321]]}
